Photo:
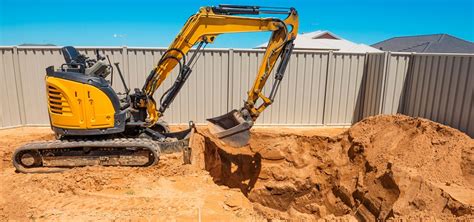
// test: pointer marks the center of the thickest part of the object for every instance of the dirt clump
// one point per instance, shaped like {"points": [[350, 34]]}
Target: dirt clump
{"points": [[384, 167]]}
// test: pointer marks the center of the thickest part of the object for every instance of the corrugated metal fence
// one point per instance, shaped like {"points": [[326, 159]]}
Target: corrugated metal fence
{"points": [[319, 88]]}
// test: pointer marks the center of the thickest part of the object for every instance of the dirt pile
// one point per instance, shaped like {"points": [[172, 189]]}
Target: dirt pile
{"points": [[383, 167]]}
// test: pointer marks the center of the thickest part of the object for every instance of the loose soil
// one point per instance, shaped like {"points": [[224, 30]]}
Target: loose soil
{"points": [[382, 168], [169, 191]]}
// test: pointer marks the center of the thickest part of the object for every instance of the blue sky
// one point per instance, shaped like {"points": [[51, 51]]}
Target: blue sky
{"points": [[155, 23]]}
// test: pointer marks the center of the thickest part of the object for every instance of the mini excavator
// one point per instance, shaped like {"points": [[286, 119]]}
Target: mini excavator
{"points": [[94, 125]]}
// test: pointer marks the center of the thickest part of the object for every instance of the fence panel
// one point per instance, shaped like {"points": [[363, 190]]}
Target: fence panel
{"points": [[371, 92], [397, 68], [344, 82], [313, 87], [243, 68], [9, 99], [385, 75], [205, 93], [441, 88], [300, 99]]}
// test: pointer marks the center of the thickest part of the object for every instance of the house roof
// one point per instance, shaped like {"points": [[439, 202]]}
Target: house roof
{"points": [[437, 43], [34, 44], [326, 41]]}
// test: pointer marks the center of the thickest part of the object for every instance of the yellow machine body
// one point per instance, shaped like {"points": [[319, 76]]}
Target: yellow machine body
{"points": [[115, 129], [76, 105]]}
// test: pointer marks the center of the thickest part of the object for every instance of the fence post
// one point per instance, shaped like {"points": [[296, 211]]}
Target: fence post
{"points": [[230, 74], [328, 70], [19, 85], [125, 64], [362, 91], [385, 70], [408, 84]]}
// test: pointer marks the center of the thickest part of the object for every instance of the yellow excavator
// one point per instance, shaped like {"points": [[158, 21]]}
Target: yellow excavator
{"points": [[94, 125]]}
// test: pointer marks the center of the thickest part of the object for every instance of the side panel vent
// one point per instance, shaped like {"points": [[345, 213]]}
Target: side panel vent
{"points": [[57, 102]]}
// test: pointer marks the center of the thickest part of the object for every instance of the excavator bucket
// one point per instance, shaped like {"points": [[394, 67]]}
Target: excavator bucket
{"points": [[232, 128]]}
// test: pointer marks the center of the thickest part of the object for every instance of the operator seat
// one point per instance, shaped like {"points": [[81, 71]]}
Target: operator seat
{"points": [[75, 62], [70, 54]]}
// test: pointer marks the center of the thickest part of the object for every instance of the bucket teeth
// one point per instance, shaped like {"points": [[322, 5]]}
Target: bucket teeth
{"points": [[232, 128]]}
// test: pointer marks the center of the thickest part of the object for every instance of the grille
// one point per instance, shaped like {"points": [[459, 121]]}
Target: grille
{"points": [[57, 102]]}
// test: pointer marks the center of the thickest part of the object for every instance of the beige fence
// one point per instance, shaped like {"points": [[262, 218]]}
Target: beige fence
{"points": [[439, 87], [319, 88]]}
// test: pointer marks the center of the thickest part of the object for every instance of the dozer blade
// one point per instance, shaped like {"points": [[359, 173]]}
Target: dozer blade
{"points": [[232, 128]]}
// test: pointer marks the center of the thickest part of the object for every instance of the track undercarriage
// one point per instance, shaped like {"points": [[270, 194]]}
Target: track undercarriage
{"points": [[60, 155]]}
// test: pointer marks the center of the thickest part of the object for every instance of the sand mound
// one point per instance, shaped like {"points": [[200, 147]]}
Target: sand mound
{"points": [[383, 167]]}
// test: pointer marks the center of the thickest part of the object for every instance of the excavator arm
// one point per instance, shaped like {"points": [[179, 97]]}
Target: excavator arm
{"points": [[203, 28]]}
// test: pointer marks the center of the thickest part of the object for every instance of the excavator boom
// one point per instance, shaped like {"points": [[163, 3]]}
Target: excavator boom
{"points": [[203, 28]]}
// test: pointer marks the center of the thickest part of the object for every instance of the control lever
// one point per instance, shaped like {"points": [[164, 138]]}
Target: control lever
{"points": [[99, 57], [127, 90]]}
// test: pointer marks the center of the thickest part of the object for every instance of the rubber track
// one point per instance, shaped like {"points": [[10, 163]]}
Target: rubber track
{"points": [[149, 144]]}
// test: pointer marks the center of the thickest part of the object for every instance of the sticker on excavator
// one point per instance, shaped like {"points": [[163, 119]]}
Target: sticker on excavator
{"points": [[231, 128]]}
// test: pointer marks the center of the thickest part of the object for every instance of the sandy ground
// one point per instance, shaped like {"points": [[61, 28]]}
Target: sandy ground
{"points": [[170, 191], [383, 168]]}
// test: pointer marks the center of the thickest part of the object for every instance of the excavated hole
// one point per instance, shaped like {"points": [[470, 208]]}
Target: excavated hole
{"points": [[291, 176], [233, 170], [283, 172]]}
